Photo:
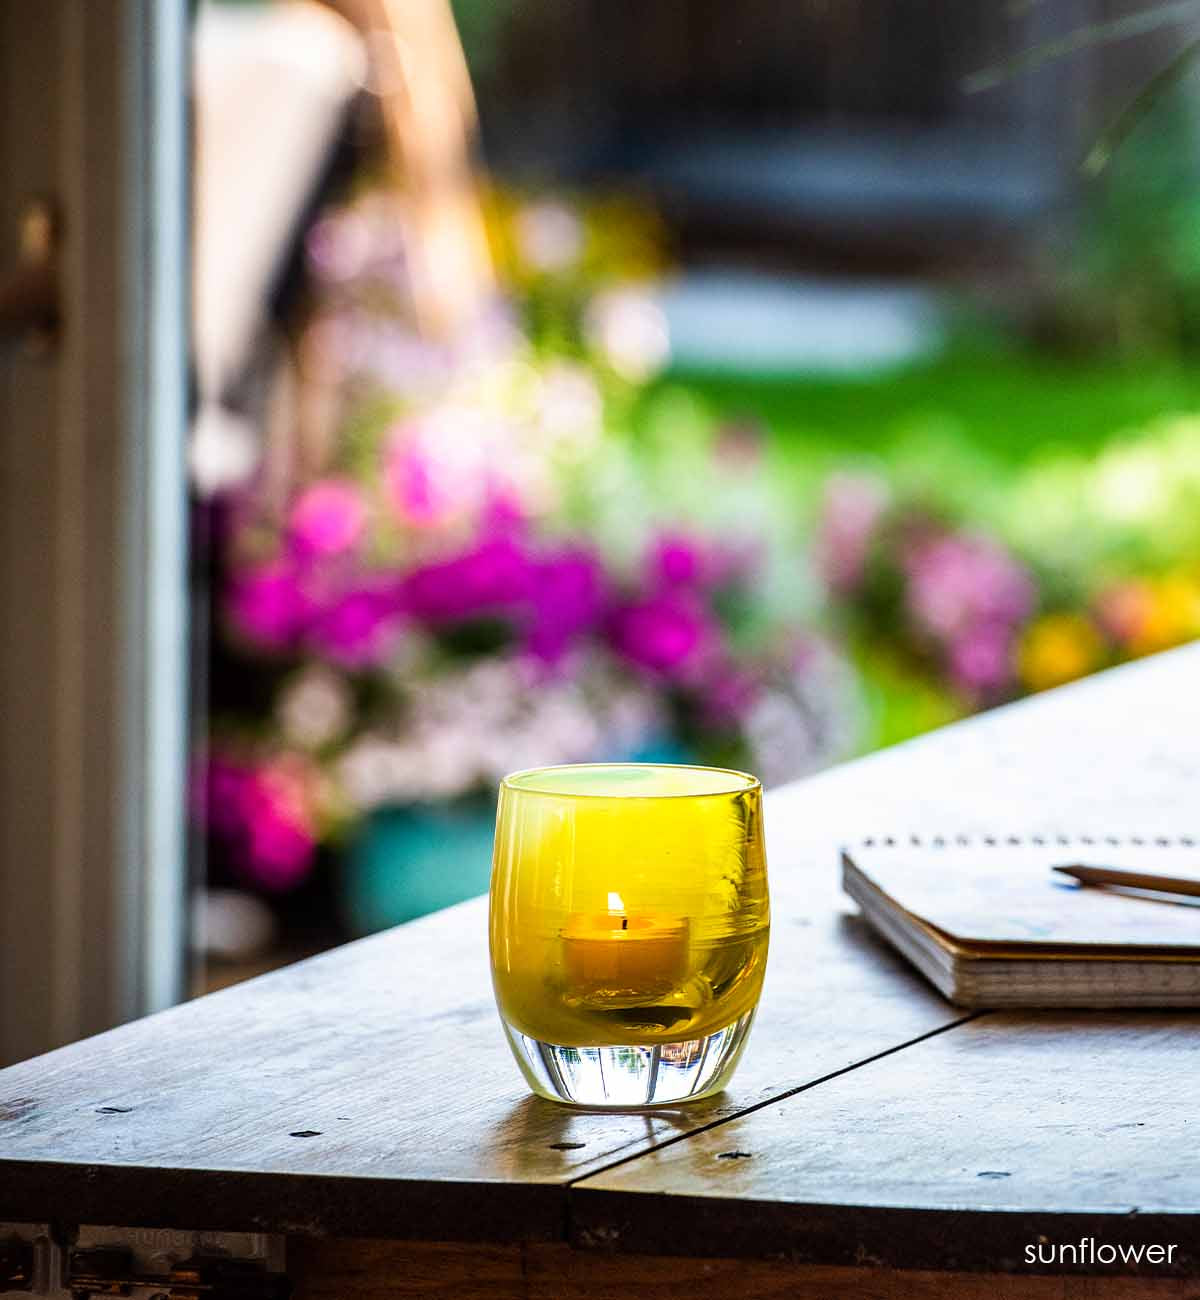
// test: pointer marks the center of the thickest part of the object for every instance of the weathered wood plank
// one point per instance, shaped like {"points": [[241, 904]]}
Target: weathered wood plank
{"points": [[388, 1052], [382, 1270], [958, 1152], [897, 1159]]}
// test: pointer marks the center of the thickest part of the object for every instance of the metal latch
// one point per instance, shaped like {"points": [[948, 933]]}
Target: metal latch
{"points": [[113, 1271]]}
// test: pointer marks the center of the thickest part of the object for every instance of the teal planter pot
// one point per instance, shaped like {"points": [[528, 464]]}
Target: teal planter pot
{"points": [[408, 861]]}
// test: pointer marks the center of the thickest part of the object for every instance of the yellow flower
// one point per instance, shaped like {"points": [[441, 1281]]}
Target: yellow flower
{"points": [[1058, 648], [1172, 615]]}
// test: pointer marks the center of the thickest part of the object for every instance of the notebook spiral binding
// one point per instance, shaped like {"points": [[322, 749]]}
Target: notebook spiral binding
{"points": [[994, 841]]}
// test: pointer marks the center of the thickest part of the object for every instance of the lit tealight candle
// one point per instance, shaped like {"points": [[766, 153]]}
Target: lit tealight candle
{"points": [[615, 951]]}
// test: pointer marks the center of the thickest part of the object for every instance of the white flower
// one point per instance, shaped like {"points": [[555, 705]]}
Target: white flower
{"points": [[466, 728], [314, 708], [804, 720], [571, 408], [369, 772], [223, 450], [629, 328], [1131, 485], [230, 924], [632, 715], [447, 766], [549, 236], [780, 737]]}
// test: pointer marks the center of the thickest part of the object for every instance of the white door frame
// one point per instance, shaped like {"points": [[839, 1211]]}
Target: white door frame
{"points": [[93, 524]]}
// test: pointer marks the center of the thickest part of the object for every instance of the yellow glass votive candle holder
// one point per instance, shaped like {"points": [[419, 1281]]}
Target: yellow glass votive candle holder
{"points": [[629, 928]]}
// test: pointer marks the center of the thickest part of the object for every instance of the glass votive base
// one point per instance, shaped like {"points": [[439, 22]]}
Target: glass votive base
{"points": [[624, 1078]]}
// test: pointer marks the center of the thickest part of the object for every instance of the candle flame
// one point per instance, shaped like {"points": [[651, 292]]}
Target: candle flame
{"points": [[615, 904]]}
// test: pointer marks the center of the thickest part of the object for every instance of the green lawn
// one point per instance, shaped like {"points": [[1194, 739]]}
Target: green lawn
{"points": [[1004, 405]]}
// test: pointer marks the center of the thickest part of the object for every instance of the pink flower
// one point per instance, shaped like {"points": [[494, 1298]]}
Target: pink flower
{"points": [[503, 514], [217, 789], [269, 606], [491, 578], [664, 634], [852, 509], [328, 518], [358, 628], [981, 660], [676, 561], [415, 488], [958, 582], [280, 841], [263, 815], [734, 562], [729, 695], [567, 594]]}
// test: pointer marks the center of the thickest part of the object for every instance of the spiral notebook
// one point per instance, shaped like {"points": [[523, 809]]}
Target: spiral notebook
{"points": [[987, 923]]}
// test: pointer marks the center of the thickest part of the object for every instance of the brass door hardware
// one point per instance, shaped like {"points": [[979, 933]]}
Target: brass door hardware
{"points": [[29, 293]]}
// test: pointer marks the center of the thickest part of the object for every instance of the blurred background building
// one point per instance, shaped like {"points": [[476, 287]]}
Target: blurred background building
{"points": [[755, 385]]}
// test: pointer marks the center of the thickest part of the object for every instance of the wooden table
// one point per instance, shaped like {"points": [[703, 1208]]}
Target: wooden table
{"points": [[876, 1141]]}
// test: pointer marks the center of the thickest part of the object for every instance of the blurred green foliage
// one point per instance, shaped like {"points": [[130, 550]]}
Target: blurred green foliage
{"points": [[1088, 468], [1132, 258]]}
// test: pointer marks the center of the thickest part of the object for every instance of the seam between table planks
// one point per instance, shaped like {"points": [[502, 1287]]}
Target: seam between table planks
{"points": [[583, 1177]]}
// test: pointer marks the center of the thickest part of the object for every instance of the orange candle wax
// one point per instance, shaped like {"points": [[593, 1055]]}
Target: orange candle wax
{"points": [[613, 950]]}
